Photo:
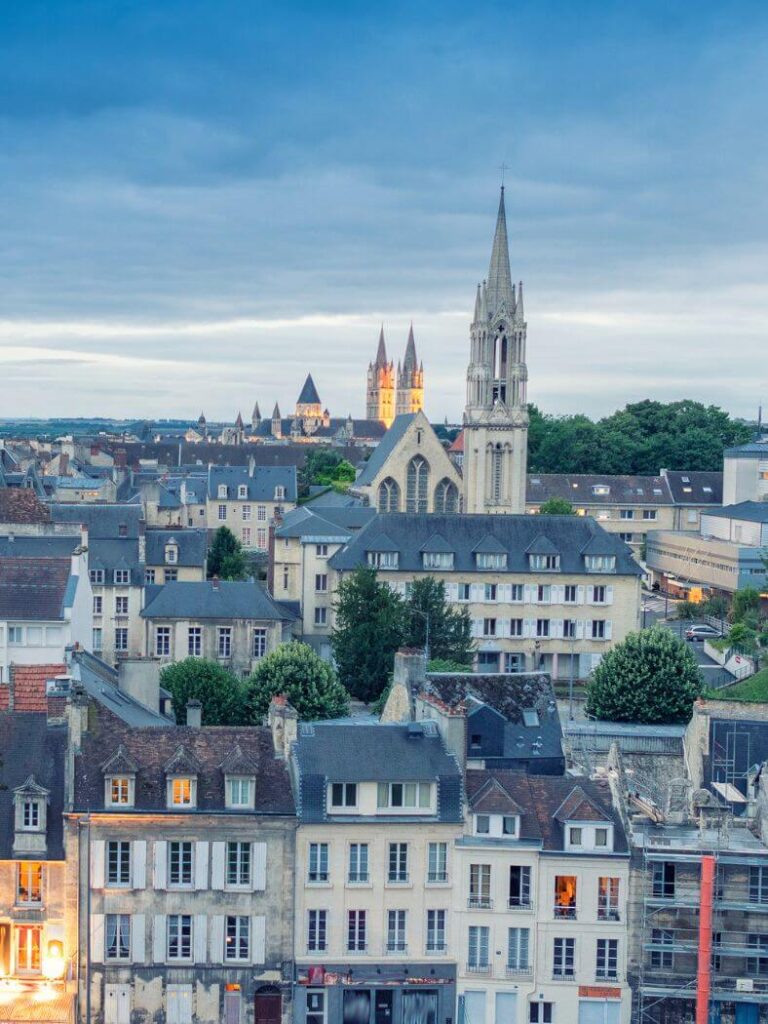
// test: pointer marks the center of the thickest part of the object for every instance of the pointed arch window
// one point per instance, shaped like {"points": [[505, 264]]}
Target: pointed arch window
{"points": [[389, 496], [446, 496], [418, 485]]}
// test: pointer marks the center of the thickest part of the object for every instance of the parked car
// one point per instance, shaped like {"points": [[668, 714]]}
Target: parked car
{"points": [[702, 633]]}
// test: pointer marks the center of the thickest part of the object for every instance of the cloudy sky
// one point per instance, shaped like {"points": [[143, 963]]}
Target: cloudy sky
{"points": [[200, 200]]}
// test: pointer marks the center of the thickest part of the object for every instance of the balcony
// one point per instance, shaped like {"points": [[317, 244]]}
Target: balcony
{"points": [[515, 903], [480, 903], [398, 878], [396, 947], [603, 976], [437, 877], [436, 947], [358, 878], [565, 912], [479, 969], [357, 949], [520, 973]]}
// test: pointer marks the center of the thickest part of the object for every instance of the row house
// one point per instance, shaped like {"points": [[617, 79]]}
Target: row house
{"points": [[235, 623], [38, 881], [543, 878], [299, 553], [186, 841], [550, 593], [379, 808], [247, 499]]}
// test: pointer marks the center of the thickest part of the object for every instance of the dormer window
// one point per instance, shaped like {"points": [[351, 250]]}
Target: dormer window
{"points": [[242, 491], [586, 837], [221, 491], [482, 824], [438, 559], [408, 795], [544, 563], [491, 559], [30, 818], [182, 791], [384, 559], [343, 795], [171, 553], [240, 790], [119, 791], [600, 563], [497, 826], [279, 493], [601, 489], [31, 815]]}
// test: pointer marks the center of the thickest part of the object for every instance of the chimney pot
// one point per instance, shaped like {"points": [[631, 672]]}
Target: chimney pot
{"points": [[194, 714]]}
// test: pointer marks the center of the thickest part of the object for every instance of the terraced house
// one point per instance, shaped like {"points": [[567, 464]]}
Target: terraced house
{"points": [[550, 593]]}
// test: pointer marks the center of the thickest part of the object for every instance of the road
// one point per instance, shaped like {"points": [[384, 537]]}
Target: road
{"points": [[714, 675]]}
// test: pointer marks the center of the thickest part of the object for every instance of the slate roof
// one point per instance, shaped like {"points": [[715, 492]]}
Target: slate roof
{"points": [[34, 589], [541, 797], [470, 533], [309, 395], [14, 546], [325, 521], [192, 545], [695, 487], [39, 750], [203, 600], [384, 449], [343, 752], [153, 749], [114, 553], [578, 488], [21, 505], [99, 680], [261, 486], [103, 521], [747, 511], [756, 449]]}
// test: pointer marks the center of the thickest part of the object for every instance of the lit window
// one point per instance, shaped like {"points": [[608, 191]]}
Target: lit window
{"points": [[181, 792], [30, 882], [119, 789], [237, 940]]}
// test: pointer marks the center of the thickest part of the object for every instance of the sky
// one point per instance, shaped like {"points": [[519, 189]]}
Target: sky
{"points": [[203, 200]]}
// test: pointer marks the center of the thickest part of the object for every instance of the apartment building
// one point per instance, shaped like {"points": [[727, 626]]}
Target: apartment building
{"points": [[542, 881], [45, 600], [379, 809], [550, 593], [248, 498], [187, 872], [234, 623], [175, 556], [38, 879], [299, 553]]}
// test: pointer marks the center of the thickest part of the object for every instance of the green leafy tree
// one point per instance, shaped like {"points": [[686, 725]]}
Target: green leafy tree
{"points": [[220, 692], [743, 638], [309, 683], [450, 629], [446, 665], [556, 507], [226, 558], [652, 676], [745, 606], [369, 627]]}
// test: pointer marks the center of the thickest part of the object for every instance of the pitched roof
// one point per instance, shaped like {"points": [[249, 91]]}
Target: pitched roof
{"points": [[594, 489], [384, 449], [344, 752], [339, 521], [695, 487], [746, 511], [152, 750], [493, 798], [192, 546], [105, 522], [207, 600], [39, 750], [309, 395], [29, 683], [259, 487], [468, 534], [21, 505], [34, 588]]}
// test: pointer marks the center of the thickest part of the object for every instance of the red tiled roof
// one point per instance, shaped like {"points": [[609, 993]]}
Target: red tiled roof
{"points": [[458, 444], [4, 692], [21, 505], [28, 682]]}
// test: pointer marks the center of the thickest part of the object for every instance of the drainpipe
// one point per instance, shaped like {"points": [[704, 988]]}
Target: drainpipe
{"points": [[704, 976]]}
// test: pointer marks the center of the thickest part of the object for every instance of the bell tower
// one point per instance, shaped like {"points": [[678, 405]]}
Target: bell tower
{"points": [[496, 413]]}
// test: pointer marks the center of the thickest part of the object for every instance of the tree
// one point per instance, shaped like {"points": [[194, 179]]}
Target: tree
{"points": [[556, 507], [446, 665], [368, 631], [309, 683], [450, 629], [219, 691], [226, 558], [745, 606], [652, 676]]}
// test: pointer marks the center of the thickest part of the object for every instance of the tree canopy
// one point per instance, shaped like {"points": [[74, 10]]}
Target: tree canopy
{"points": [[326, 467], [641, 438], [226, 558], [450, 629], [651, 676], [309, 683], [556, 507], [219, 691]]}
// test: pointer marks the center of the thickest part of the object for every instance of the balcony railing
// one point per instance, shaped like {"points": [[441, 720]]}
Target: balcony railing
{"points": [[608, 914], [356, 878], [437, 876], [516, 903], [480, 902], [478, 968], [519, 972], [397, 878], [566, 974], [396, 946], [565, 912], [436, 947]]}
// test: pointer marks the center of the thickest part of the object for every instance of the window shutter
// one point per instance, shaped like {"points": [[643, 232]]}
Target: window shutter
{"points": [[608, 629], [139, 858], [200, 939], [97, 864], [528, 627], [580, 595], [158, 939], [160, 864], [484, 945], [579, 629], [217, 865], [472, 946], [477, 627], [557, 628], [452, 591], [201, 865], [138, 939], [609, 595], [259, 867], [216, 943], [97, 937], [522, 950], [259, 939], [528, 593]]}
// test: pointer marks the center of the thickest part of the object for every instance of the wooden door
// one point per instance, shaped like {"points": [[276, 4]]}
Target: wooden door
{"points": [[268, 1007]]}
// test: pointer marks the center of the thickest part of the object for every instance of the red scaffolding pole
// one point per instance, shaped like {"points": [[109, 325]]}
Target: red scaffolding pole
{"points": [[704, 976]]}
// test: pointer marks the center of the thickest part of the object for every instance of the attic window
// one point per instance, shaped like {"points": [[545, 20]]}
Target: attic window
{"points": [[601, 489], [182, 791], [119, 791], [438, 559], [242, 491], [600, 563], [279, 493], [491, 560], [221, 491], [171, 553], [122, 530], [383, 559], [531, 718], [707, 490], [239, 791], [545, 563], [657, 490], [685, 479]]}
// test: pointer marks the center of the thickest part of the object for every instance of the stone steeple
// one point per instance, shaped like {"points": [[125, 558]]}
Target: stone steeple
{"points": [[380, 386], [256, 417], [496, 413], [410, 380]]}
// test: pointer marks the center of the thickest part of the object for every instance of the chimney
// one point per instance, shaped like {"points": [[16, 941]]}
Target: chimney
{"points": [[140, 679], [282, 719], [77, 715], [408, 679], [194, 714], [142, 542]]}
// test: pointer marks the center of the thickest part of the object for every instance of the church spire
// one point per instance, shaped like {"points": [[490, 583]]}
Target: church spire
{"points": [[477, 304], [499, 274], [381, 354], [409, 362]]}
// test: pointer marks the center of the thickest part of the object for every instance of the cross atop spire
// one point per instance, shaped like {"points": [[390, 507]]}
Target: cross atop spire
{"points": [[499, 274]]}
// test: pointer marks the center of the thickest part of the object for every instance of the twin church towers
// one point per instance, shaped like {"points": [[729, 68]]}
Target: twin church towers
{"points": [[391, 393]]}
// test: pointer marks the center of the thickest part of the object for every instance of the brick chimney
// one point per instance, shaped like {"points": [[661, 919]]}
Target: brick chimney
{"points": [[194, 714], [407, 681], [283, 720]]}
